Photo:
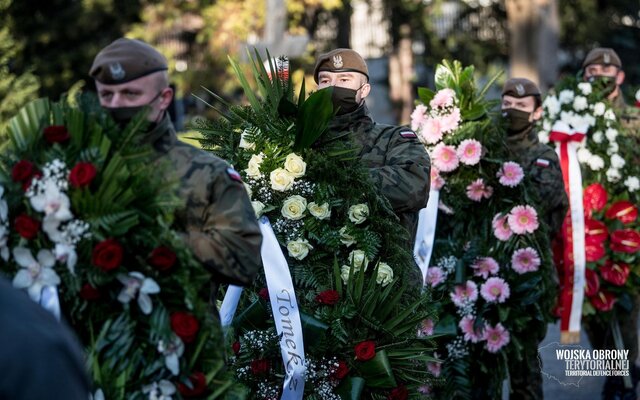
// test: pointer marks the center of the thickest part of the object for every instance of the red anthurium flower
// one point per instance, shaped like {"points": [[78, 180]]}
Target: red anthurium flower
{"points": [[593, 283], [365, 350], [399, 393], [624, 211], [341, 370], [56, 134], [616, 273], [596, 230], [26, 226], [594, 249], [82, 174], [594, 198], [603, 301], [185, 325], [625, 241], [328, 297], [198, 385]]}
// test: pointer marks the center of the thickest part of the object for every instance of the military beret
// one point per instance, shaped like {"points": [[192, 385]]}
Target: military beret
{"points": [[125, 60], [340, 60], [520, 87], [604, 56]]}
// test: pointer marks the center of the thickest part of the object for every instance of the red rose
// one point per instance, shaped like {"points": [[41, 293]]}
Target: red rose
{"points": [[82, 174], [260, 366], [603, 301], [624, 211], [185, 325], [593, 283], [365, 350], [162, 258], [56, 134], [615, 273], [329, 297], [596, 230], [89, 292], [625, 241], [26, 226], [235, 347], [594, 198], [399, 393], [198, 385], [594, 249], [23, 171], [107, 255], [264, 294], [341, 370]]}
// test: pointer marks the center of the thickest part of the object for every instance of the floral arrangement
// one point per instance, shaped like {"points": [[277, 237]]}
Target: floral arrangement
{"points": [[490, 271], [85, 213], [356, 285], [610, 177]]}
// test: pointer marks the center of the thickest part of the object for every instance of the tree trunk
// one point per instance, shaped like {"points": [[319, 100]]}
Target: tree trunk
{"points": [[401, 75], [548, 43]]}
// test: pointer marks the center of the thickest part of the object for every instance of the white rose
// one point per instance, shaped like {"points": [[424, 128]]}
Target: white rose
{"points": [[566, 96], [344, 273], [281, 180], [258, 208], [385, 274], [613, 175], [613, 148], [617, 162], [596, 163], [599, 108], [543, 136], [585, 88], [598, 137], [584, 155], [244, 143], [345, 238], [359, 259], [580, 103], [248, 189], [358, 213], [295, 166], [632, 183], [610, 115], [299, 248], [294, 207], [319, 211], [253, 167]]}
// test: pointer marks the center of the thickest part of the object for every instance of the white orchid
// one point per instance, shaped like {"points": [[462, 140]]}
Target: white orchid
{"points": [[137, 284], [162, 390], [34, 274], [172, 352], [99, 395], [52, 201]]}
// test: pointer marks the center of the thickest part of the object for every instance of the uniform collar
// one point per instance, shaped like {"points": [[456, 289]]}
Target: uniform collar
{"points": [[524, 139], [348, 124], [163, 135]]}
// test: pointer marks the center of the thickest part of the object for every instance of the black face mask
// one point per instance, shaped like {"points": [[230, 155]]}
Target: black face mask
{"points": [[607, 83], [123, 115], [518, 120], [344, 99]]}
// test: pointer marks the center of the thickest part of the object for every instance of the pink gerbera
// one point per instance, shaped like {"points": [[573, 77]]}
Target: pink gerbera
{"points": [[478, 190], [469, 152], [510, 174], [501, 228], [437, 182], [450, 122], [426, 328], [523, 220], [431, 131], [435, 276], [463, 294], [525, 260], [418, 117], [485, 266], [497, 337], [445, 158], [467, 326], [495, 290], [443, 98]]}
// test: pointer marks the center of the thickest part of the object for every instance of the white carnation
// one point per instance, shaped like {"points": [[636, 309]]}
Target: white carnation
{"points": [[613, 148], [546, 125], [610, 115], [585, 88], [584, 155], [580, 103], [632, 182], [543, 136], [599, 108], [611, 134], [552, 105], [617, 161], [596, 163], [598, 137], [566, 96], [613, 175]]}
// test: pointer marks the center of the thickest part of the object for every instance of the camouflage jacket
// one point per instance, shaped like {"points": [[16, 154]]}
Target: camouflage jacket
{"points": [[218, 222], [629, 116], [398, 164], [541, 164]]}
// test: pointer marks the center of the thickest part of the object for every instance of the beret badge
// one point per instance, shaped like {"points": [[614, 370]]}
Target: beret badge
{"points": [[337, 61], [116, 70]]}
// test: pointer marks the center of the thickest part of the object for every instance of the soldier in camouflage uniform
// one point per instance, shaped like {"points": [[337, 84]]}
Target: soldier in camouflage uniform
{"points": [[218, 223], [522, 107], [398, 163], [605, 64]]}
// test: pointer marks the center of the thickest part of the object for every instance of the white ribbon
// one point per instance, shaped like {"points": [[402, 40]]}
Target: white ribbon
{"points": [[426, 233], [49, 300], [230, 304]]}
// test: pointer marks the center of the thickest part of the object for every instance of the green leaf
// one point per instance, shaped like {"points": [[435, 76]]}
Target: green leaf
{"points": [[377, 372], [425, 95], [313, 118], [253, 317], [351, 388]]}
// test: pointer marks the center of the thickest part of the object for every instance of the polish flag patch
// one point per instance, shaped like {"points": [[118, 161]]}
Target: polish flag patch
{"points": [[408, 134], [233, 174], [541, 162]]}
